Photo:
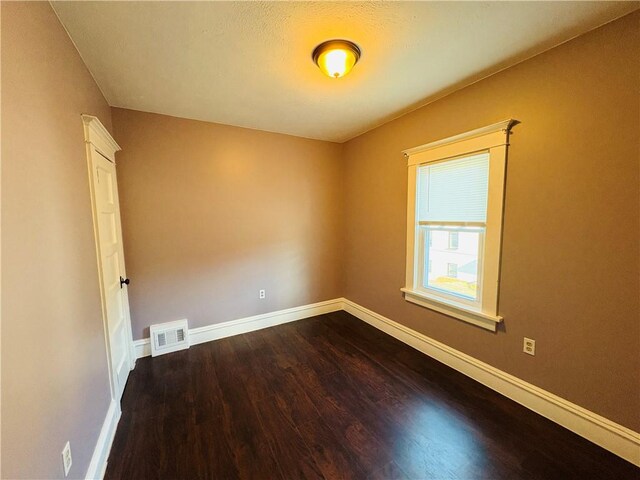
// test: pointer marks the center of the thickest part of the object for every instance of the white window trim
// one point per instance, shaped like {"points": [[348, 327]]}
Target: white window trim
{"points": [[493, 139]]}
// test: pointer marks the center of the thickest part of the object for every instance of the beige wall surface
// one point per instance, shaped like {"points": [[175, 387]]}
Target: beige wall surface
{"points": [[570, 267], [211, 214], [55, 383]]}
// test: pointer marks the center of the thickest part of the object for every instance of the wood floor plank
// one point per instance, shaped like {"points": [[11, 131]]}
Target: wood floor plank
{"points": [[332, 458], [305, 352], [391, 471], [240, 424], [292, 455], [331, 397], [295, 403], [370, 453], [209, 455]]}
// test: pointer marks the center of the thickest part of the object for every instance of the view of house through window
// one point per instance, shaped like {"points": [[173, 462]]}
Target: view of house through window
{"points": [[452, 270]]}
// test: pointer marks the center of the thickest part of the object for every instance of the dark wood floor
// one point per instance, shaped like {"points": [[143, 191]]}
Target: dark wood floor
{"points": [[331, 397]]}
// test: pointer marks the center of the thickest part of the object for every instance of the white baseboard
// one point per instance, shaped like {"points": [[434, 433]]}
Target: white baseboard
{"points": [[142, 347], [609, 435], [98, 464], [248, 324]]}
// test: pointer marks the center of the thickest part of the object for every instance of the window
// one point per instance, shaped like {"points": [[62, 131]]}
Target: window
{"points": [[451, 202], [455, 203], [452, 272], [453, 240]]}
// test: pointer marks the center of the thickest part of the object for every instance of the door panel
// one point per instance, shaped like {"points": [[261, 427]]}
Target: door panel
{"points": [[108, 230], [111, 262]]}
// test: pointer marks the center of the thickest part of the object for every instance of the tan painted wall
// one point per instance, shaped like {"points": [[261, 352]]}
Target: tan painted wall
{"points": [[570, 270], [54, 372], [212, 213]]}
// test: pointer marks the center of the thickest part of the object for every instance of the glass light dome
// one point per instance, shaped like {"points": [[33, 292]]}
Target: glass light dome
{"points": [[336, 58]]}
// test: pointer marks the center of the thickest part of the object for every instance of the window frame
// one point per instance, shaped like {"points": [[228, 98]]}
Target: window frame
{"points": [[494, 140]]}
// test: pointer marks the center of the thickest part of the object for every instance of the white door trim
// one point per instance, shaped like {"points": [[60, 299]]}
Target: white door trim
{"points": [[97, 134], [98, 139]]}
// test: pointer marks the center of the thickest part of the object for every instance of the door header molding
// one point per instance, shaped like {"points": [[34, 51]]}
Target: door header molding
{"points": [[97, 135]]}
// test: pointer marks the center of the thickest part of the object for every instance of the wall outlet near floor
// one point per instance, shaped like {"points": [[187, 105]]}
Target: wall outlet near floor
{"points": [[529, 346], [262, 294], [66, 458]]}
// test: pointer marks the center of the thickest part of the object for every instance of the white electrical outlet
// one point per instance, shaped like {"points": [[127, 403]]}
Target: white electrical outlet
{"points": [[529, 346], [262, 294], [66, 458]]}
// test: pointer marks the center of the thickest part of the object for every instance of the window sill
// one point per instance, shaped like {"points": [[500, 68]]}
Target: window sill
{"points": [[461, 312]]}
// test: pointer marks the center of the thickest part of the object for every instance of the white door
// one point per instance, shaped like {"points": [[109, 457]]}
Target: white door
{"points": [[113, 281]]}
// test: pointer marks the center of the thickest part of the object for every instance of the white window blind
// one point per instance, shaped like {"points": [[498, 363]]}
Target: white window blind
{"points": [[454, 190]]}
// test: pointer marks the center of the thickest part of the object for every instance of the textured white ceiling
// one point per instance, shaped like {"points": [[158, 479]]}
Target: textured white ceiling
{"points": [[249, 63]]}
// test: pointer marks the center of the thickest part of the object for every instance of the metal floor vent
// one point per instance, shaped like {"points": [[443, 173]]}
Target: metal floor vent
{"points": [[169, 337]]}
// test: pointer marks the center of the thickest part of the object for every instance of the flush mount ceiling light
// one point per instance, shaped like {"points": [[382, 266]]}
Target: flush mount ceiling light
{"points": [[336, 58]]}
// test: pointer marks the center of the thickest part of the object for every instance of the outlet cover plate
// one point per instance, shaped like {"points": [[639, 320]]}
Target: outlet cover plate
{"points": [[529, 346], [67, 461]]}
